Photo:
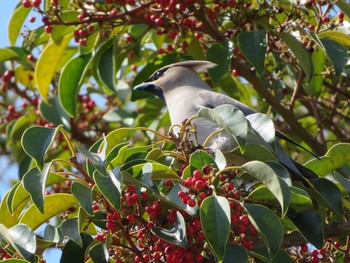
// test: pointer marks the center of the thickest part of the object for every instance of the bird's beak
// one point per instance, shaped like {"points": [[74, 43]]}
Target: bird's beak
{"points": [[152, 88]]}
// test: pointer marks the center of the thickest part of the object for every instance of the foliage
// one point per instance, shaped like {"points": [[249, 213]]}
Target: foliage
{"points": [[98, 170]]}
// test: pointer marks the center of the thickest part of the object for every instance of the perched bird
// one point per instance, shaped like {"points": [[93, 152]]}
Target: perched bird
{"points": [[185, 93]]}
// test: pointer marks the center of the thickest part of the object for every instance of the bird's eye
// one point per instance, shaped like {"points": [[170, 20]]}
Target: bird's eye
{"points": [[158, 74]]}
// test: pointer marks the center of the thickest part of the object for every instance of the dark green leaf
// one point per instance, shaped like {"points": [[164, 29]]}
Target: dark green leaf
{"points": [[221, 55], [253, 46], [300, 52], [95, 158], [110, 186], [310, 226], [54, 113], [267, 176], [36, 141], [336, 53], [231, 119], [175, 235], [70, 229], [107, 68], [84, 196], [197, 160], [70, 80], [99, 253], [74, 253], [216, 223], [21, 238], [268, 225], [34, 183], [235, 254], [344, 182]]}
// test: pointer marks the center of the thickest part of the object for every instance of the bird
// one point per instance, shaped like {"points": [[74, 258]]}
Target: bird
{"points": [[185, 93]]}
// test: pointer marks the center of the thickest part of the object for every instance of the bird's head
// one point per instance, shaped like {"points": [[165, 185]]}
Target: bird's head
{"points": [[174, 76]]}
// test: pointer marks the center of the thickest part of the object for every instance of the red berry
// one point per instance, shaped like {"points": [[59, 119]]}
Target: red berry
{"points": [[314, 252], [110, 225], [337, 244], [32, 19], [341, 15], [311, 27], [191, 202], [131, 218], [181, 194], [95, 207], [315, 260], [45, 19], [26, 3], [36, 3], [30, 57], [325, 19], [236, 73], [48, 29], [304, 248], [200, 184], [197, 174], [158, 21]]}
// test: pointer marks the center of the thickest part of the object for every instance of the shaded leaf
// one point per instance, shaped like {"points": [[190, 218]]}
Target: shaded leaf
{"points": [[310, 226], [73, 253], [340, 37], [70, 80], [53, 112], [110, 186], [51, 233], [253, 46], [300, 52], [219, 54], [36, 140], [216, 223], [231, 119], [53, 205], [268, 225], [47, 63], [175, 235], [107, 68], [34, 183], [336, 53], [99, 253], [84, 196], [70, 229], [235, 254]]}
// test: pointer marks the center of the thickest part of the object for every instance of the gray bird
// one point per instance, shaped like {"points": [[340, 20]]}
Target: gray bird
{"points": [[185, 93]]}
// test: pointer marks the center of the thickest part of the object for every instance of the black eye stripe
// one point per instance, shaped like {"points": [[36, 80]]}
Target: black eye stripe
{"points": [[158, 74]]}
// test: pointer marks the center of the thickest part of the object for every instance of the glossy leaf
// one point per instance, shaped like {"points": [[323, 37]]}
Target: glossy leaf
{"points": [[300, 52], [52, 233], [21, 238], [36, 140], [220, 159], [335, 157], [336, 53], [235, 254], [70, 80], [253, 46], [70, 229], [267, 176], [99, 253], [53, 112], [216, 223], [268, 225], [219, 54], [310, 225], [47, 64], [84, 196], [53, 205], [230, 119], [16, 22], [176, 235], [110, 186], [34, 183]]}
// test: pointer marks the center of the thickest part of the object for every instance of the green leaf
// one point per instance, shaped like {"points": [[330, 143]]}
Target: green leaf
{"points": [[175, 235], [265, 128], [53, 205], [220, 159], [268, 225], [47, 64], [253, 152], [110, 186], [315, 86], [16, 21], [51, 233], [107, 68], [74, 253], [34, 183], [221, 55], [331, 194], [310, 226], [22, 239], [36, 140], [335, 157], [215, 218], [157, 171], [197, 160], [231, 119], [70, 80], [70, 229], [267, 176], [253, 46], [99, 253], [53, 112], [336, 53], [235, 254], [14, 260], [340, 37], [300, 52], [84, 196], [7, 54], [344, 181]]}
